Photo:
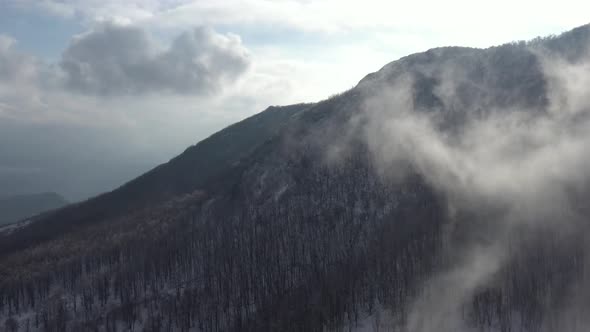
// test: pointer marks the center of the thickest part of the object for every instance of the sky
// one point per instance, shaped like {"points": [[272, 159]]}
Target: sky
{"points": [[95, 92]]}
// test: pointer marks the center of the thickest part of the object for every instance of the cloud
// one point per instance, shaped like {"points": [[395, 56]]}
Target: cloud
{"points": [[474, 146], [123, 60], [118, 61], [93, 11], [439, 19], [12, 66], [46, 107], [16, 67], [22, 76], [508, 165]]}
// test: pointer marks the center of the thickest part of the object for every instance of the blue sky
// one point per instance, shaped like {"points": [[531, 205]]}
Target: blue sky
{"points": [[104, 72]]}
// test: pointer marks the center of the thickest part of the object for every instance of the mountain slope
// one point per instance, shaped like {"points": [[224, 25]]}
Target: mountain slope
{"points": [[381, 201], [190, 171]]}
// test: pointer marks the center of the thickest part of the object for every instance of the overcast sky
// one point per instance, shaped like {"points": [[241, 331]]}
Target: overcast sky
{"points": [[95, 92]]}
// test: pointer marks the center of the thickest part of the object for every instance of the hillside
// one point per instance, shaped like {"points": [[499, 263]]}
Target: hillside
{"points": [[447, 191]]}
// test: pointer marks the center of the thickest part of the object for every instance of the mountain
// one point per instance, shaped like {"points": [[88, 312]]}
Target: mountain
{"points": [[15, 208], [202, 163], [447, 192]]}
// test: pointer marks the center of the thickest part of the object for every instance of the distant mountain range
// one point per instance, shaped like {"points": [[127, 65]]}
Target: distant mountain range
{"points": [[337, 215], [15, 208]]}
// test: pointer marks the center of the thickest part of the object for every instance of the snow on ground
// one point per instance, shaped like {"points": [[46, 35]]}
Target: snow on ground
{"points": [[8, 229]]}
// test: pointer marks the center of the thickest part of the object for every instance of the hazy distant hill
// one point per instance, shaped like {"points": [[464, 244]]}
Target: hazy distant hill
{"points": [[15, 208]]}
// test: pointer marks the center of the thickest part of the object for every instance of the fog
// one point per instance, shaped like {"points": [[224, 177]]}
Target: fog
{"points": [[510, 166]]}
